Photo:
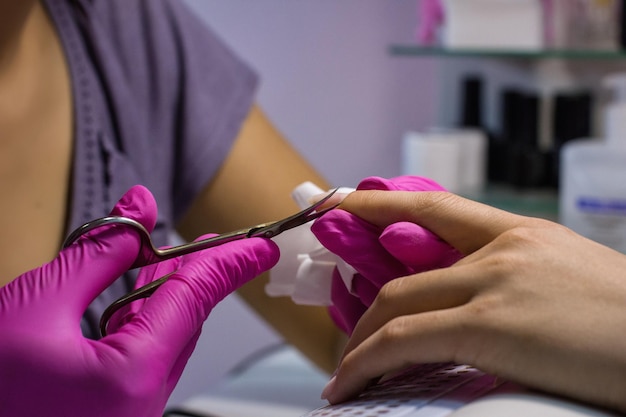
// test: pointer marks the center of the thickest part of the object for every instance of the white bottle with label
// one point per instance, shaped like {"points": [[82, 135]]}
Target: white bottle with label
{"points": [[593, 177]]}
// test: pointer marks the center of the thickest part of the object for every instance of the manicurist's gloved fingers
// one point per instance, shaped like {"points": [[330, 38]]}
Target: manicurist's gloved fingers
{"points": [[417, 247], [146, 275], [127, 313], [174, 314], [356, 242], [401, 183], [347, 308], [102, 255], [413, 245]]}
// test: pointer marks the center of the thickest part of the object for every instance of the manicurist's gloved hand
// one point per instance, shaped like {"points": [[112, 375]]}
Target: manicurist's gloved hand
{"points": [[378, 255], [47, 367]]}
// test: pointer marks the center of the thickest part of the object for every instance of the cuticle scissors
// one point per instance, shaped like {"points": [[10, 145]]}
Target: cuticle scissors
{"points": [[149, 254]]}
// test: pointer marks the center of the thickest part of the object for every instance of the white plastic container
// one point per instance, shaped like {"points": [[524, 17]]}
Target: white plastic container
{"points": [[493, 24], [593, 177], [432, 155], [455, 158]]}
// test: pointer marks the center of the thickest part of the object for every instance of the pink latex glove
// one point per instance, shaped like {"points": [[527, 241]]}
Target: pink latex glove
{"points": [[431, 17], [47, 367], [378, 255]]}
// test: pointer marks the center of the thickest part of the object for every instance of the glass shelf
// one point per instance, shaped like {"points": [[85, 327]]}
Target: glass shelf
{"points": [[417, 50]]}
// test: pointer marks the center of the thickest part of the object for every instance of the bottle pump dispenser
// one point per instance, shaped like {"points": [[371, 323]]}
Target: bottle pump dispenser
{"points": [[615, 112]]}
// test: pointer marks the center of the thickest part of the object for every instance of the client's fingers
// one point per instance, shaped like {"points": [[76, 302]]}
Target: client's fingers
{"points": [[467, 225], [429, 291], [419, 338], [356, 242]]}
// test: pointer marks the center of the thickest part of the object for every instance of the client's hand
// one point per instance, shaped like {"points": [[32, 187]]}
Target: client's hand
{"points": [[531, 301], [377, 254], [50, 369]]}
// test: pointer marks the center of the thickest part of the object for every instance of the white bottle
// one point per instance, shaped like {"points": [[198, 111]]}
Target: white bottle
{"points": [[593, 177]]}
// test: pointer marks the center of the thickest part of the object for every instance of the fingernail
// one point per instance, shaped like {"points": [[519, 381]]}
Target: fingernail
{"points": [[329, 388], [336, 198]]}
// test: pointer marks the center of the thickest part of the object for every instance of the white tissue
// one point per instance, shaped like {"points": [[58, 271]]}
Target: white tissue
{"points": [[304, 271]]}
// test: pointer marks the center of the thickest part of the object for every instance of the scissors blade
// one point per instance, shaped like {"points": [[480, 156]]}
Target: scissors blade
{"points": [[149, 254], [265, 230], [308, 214]]}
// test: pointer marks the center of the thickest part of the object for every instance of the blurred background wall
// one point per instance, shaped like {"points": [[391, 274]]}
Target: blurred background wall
{"points": [[327, 79]]}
